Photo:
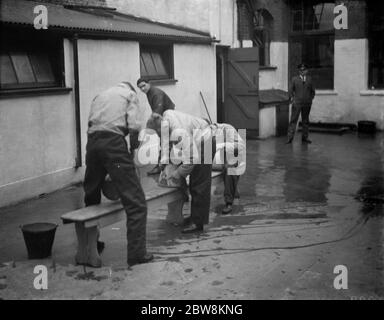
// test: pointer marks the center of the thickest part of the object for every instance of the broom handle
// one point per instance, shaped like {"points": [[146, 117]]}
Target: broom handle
{"points": [[201, 95]]}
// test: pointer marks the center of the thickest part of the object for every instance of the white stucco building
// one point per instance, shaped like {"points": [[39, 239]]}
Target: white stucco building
{"points": [[49, 78]]}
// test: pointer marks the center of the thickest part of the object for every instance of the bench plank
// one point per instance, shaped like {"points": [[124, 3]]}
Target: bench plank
{"points": [[109, 212], [88, 220]]}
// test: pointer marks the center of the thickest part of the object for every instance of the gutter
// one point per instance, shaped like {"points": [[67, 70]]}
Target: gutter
{"points": [[118, 34], [78, 160]]}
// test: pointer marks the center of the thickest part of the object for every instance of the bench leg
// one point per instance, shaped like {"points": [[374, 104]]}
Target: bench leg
{"points": [[87, 246], [175, 212], [94, 259], [81, 255]]}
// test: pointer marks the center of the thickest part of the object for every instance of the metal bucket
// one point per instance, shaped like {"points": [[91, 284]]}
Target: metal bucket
{"points": [[39, 239], [366, 126], [109, 190]]}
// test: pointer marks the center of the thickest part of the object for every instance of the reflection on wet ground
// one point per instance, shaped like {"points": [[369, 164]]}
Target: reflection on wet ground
{"points": [[301, 209]]}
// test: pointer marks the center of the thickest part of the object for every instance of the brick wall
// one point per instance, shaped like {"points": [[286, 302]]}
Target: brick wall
{"points": [[280, 12], [244, 21], [97, 3], [278, 9]]}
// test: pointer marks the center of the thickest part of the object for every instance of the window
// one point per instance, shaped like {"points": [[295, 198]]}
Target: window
{"points": [[262, 21], [312, 40], [30, 59], [156, 62], [312, 15], [376, 45]]}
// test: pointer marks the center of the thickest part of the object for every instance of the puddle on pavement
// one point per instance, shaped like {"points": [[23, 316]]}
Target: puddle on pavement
{"points": [[371, 195]]}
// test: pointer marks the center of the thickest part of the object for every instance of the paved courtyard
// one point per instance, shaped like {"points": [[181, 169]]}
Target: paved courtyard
{"points": [[303, 210]]}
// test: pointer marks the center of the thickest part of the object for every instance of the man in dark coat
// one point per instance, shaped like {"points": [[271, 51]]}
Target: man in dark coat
{"points": [[159, 102], [301, 93]]}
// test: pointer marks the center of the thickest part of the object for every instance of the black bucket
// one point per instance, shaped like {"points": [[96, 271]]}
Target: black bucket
{"points": [[39, 238], [366, 127]]}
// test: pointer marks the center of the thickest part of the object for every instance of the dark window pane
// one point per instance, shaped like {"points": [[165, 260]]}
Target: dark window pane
{"points": [[143, 69], [42, 67], [159, 64], [155, 62], [297, 19], [30, 59], [319, 16], [7, 74], [23, 67], [376, 60], [376, 44], [312, 15], [149, 64], [318, 52]]}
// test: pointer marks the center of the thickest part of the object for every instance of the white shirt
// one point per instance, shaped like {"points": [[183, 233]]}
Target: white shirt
{"points": [[117, 110], [181, 124]]}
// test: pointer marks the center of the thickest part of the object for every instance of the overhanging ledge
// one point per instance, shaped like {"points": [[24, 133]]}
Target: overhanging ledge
{"points": [[16, 93]]}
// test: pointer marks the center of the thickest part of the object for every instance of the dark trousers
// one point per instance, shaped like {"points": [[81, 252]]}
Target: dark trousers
{"points": [[200, 181], [230, 187], [108, 153], [297, 109]]}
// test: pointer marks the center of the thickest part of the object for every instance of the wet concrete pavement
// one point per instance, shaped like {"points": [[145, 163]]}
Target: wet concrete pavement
{"points": [[304, 209]]}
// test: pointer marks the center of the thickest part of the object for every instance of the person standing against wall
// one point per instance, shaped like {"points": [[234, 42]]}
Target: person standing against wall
{"points": [[159, 102], [301, 93]]}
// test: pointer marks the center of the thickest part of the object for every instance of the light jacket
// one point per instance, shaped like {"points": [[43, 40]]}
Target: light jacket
{"points": [[190, 130], [117, 110]]}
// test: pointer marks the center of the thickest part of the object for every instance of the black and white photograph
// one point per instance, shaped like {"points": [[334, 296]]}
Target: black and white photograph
{"points": [[193, 156]]}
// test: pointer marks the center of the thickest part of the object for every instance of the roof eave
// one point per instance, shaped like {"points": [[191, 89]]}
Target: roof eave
{"points": [[95, 33]]}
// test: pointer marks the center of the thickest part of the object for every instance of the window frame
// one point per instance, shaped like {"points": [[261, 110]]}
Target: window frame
{"points": [[166, 50], [303, 34], [262, 31], [375, 31], [55, 54]]}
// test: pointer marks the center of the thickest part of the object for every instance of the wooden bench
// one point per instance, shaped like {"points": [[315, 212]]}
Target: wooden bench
{"points": [[87, 220]]}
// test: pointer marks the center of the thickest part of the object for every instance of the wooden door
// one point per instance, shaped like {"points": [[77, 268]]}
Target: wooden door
{"points": [[241, 107]]}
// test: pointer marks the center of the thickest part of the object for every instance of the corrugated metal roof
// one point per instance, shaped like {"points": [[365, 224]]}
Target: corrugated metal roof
{"points": [[21, 12]]}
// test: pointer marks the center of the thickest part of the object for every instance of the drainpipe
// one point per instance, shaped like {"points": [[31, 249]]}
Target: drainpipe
{"points": [[78, 160]]}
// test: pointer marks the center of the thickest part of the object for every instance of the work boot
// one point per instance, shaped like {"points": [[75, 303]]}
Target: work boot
{"points": [[147, 258], [155, 170], [306, 140], [227, 209], [193, 229]]}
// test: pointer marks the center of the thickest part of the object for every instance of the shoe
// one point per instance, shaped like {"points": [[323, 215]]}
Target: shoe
{"points": [[147, 258], [306, 140], [155, 170], [227, 209], [289, 141], [193, 229], [187, 222], [100, 246]]}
